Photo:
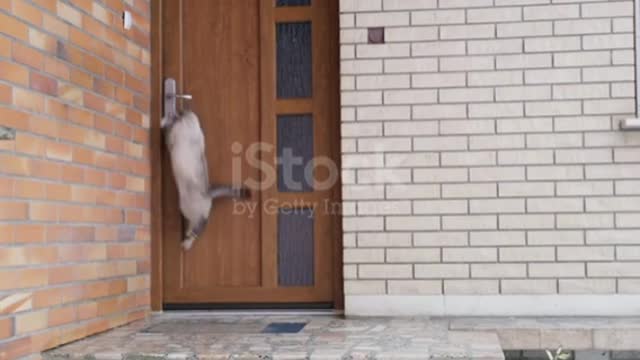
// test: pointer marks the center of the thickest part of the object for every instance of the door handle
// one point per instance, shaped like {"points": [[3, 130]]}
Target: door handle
{"points": [[170, 97]]}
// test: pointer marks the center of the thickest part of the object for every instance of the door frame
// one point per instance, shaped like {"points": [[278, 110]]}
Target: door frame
{"points": [[156, 143]]}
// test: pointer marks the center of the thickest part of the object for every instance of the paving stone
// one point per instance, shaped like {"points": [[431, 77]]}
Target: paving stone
{"points": [[592, 355], [212, 337]]}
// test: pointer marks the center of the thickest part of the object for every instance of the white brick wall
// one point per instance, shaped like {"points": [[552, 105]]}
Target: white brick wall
{"points": [[480, 148]]}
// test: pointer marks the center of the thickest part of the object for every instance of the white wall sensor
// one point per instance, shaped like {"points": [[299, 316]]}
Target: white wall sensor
{"points": [[127, 20]]}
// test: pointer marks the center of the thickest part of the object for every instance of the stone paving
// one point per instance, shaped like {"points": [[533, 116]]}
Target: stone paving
{"points": [[575, 333], [323, 337], [214, 336]]}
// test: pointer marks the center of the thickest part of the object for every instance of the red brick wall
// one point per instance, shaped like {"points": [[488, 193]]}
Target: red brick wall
{"points": [[75, 181]]}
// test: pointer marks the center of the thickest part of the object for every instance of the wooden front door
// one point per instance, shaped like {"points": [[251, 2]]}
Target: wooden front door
{"points": [[264, 79]]}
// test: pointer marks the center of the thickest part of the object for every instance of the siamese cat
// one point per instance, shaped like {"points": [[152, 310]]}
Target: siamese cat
{"points": [[185, 141]]}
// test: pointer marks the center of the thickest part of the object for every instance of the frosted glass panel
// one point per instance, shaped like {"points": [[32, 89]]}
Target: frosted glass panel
{"points": [[295, 247], [293, 2], [294, 60], [295, 152]]}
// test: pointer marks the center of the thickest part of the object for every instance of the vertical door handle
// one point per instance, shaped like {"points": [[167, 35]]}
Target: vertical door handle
{"points": [[170, 98]]}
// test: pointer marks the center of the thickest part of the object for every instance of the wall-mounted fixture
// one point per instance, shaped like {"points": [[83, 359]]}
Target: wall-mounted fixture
{"points": [[127, 20], [630, 124], [375, 35], [7, 133]]}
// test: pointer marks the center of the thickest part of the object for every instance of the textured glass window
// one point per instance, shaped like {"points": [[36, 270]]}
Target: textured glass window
{"points": [[293, 2], [295, 247], [295, 153], [294, 60]]}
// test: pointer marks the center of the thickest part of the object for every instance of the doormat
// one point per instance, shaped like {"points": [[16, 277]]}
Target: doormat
{"points": [[204, 326], [283, 328]]}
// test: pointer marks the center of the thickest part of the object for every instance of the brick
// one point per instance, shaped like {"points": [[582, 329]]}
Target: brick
{"points": [[525, 125], [437, 17], [383, 113], [411, 128], [471, 287], [498, 271], [382, 19], [440, 239], [467, 31], [364, 287], [503, 46], [518, 157], [409, 4], [587, 286], [384, 239], [585, 253], [441, 271], [553, 44], [467, 63], [497, 238], [415, 65], [30, 322], [607, 10], [496, 78], [583, 26], [363, 256], [6, 328], [360, 5], [528, 287], [610, 269], [413, 255], [609, 41], [382, 50], [412, 223], [465, 95], [583, 156], [475, 126], [515, 93], [486, 206], [498, 110], [410, 96], [439, 80], [467, 191], [439, 48], [548, 12], [13, 27], [469, 222], [404, 34], [414, 287], [439, 111], [525, 29], [494, 15], [511, 173], [433, 207], [583, 91], [384, 207], [585, 221], [367, 82], [582, 58], [440, 143], [412, 191], [605, 237], [526, 221], [557, 270], [14, 73], [385, 271], [613, 73]]}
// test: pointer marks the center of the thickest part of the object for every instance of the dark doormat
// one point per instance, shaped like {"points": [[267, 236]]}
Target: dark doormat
{"points": [[216, 326], [283, 328]]}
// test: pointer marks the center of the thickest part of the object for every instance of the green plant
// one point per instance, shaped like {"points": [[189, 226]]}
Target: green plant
{"points": [[559, 355]]}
